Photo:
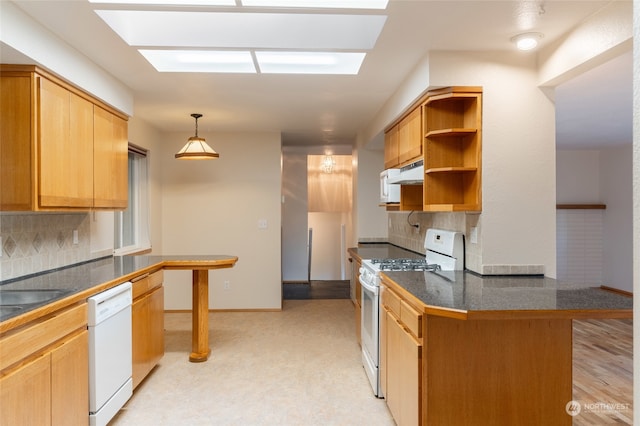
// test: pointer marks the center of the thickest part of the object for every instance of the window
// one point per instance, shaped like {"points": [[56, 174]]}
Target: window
{"points": [[131, 227]]}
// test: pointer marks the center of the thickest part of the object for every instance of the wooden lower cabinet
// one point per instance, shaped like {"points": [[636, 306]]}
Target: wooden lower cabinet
{"points": [[44, 377], [355, 277], [401, 359], [25, 394], [147, 314], [69, 381], [442, 370], [403, 373]]}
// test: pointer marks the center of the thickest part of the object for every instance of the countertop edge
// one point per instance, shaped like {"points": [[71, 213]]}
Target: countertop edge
{"points": [[522, 314]]}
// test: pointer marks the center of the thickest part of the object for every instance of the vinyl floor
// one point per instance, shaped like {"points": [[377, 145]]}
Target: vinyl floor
{"points": [[302, 366]]}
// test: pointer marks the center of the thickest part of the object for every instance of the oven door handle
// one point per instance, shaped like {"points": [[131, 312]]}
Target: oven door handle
{"points": [[371, 288]]}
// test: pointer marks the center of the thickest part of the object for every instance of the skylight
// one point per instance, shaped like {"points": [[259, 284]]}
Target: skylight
{"points": [[219, 30], [248, 42], [333, 4], [200, 61], [269, 62], [309, 62]]}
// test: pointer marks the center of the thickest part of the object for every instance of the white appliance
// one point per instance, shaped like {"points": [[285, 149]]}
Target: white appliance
{"points": [[444, 252], [110, 353], [389, 193], [411, 174]]}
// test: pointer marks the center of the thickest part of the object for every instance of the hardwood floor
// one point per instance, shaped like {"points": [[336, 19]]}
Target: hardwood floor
{"points": [[603, 371]]}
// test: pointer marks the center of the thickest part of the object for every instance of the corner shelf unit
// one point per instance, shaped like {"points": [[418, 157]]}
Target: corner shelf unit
{"points": [[453, 149]]}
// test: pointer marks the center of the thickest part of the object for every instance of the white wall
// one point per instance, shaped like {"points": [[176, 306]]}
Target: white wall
{"points": [[213, 207], [295, 259], [602, 176], [578, 176], [25, 35], [603, 36], [327, 256], [616, 167], [518, 155], [636, 199], [372, 221]]}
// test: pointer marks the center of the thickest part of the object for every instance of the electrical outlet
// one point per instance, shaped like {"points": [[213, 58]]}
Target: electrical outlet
{"points": [[226, 285], [75, 236]]}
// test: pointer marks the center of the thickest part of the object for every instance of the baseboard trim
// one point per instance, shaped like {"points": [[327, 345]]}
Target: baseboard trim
{"points": [[188, 311]]}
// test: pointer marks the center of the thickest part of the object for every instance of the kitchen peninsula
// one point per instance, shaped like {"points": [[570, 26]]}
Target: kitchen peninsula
{"points": [[47, 347], [490, 349], [89, 278]]}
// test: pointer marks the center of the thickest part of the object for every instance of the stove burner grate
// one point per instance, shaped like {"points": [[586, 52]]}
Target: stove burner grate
{"points": [[405, 264]]}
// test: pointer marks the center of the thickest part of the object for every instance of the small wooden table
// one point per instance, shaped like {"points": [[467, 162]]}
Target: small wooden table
{"points": [[200, 299]]}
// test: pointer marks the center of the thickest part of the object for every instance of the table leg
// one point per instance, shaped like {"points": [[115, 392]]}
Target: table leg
{"points": [[200, 326]]}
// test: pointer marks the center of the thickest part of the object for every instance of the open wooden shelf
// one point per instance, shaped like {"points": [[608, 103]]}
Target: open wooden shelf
{"points": [[451, 169], [453, 150], [450, 132]]}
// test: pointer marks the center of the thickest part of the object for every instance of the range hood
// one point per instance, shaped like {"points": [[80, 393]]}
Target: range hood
{"points": [[411, 174]]}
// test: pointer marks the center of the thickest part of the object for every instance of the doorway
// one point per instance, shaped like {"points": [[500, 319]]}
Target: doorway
{"points": [[594, 171], [317, 203]]}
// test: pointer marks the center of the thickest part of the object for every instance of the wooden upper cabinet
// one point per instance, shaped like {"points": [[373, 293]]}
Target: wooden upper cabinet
{"points": [[410, 136], [65, 148], [48, 145], [17, 153], [110, 160], [391, 155], [403, 141]]}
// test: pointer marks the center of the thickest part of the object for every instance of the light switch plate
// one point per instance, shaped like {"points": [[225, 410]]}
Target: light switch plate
{"points": [[262, 223], [474, 235]]}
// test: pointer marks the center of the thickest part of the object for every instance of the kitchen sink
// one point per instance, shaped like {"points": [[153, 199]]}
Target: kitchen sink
{"points": [[17, 298], [8, 311]]}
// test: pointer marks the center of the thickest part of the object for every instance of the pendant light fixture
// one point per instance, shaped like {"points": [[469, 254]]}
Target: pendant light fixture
{"points": [[196, 147]]}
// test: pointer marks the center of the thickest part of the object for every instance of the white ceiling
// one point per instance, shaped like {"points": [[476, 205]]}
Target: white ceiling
{"points": [[330, 109]]}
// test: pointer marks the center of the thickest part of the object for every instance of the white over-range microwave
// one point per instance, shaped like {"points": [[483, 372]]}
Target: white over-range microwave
{"points": [[389, 192]]}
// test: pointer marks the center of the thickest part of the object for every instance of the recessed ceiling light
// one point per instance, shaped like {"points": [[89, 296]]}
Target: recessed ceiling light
{"points": [[200, 61], [334, 4], [343, 63], [527, 41]]}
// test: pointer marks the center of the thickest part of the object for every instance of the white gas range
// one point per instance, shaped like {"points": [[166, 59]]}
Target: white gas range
{"points": [[444, 252]]}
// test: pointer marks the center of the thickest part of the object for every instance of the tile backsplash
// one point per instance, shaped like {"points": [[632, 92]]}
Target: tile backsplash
{"points": [[36, 242], [403, 234]]}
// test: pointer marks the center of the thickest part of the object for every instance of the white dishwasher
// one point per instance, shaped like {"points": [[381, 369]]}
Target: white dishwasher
{"points": [[110, 354]]}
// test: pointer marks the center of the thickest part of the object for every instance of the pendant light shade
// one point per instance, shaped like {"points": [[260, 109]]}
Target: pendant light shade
{"points": [[196, 148]]}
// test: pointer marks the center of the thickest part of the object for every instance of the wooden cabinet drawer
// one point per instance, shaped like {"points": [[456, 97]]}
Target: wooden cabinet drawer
{"points": [[23, 342], [146, 283], [391, 301], [411, 319]]}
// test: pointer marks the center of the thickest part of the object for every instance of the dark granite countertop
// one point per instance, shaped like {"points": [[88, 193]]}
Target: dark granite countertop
{"points": [[100, 274], [382, 251], [468, 295]]}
